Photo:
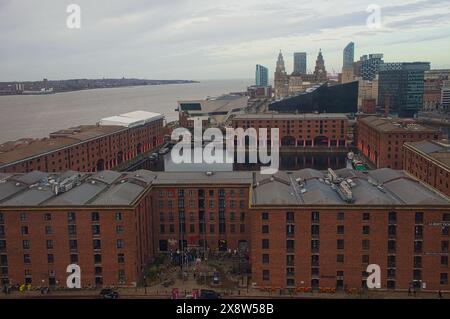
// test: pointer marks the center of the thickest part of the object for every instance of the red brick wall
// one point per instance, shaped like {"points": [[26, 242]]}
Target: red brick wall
{"points": [[353, 251], [384, 149], [303, 132], [137, 250], [170, 193], [85, 156], [426, 170]]}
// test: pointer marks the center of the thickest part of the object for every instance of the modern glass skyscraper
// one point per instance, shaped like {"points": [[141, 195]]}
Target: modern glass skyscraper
{"points": [[349, 56], [262, 76], [300, 62], [401, 87], [370, 65]]}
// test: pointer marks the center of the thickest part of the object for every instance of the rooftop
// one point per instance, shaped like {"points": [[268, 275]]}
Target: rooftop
{"points": [[14, 151], [132, 119], [223, 104], [311, 187], [384, 124], [438, 150], [290, 116], [306, 187], [106, 188]]}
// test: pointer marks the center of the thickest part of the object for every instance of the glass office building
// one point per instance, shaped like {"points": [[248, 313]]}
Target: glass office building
{"points": [[262, 76], [401, 87]]}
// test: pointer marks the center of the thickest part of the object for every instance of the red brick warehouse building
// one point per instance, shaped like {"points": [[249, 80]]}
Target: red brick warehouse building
{"points": [[304, 229], [429, 161], [99, 221], [381, 139], [300, 130], [86, 148]]}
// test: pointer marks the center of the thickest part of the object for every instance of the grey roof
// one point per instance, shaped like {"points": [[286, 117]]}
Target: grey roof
{"points": [[202, 178], [107, 188], [311, 187], [289, 116], [303, 187]]}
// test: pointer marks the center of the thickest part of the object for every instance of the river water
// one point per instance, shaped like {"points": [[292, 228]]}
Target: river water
{"points": [[39, 115]]}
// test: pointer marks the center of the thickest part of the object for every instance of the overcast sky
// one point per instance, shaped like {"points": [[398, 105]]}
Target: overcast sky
{"points": [[209, 39]]}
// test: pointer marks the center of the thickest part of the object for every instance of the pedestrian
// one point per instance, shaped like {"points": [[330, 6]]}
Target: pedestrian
{"points": [[440, 294], [409, 291]]}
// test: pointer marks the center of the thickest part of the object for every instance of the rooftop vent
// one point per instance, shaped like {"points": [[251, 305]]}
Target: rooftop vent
{"points": [[209, 173]]}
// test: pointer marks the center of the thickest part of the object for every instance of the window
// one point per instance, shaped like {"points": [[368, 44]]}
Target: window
{"points": [[48, 230], [73, 244], [212, 228], [290, 217], [47, 217], [265, 244], [266, 275], [72, 230], [366, 230], [340, 244], [95, 217], [315, 230], [417, 262], [366, 244], [392, 230], [49, 244], [340, 229], [242, 228], [419, 218], [444, 260], [50, 258], [120, 243], [2, 219], [97, 259], [120, 229], [73, 259], [366, 216], [122, 276], [23, 217], [290, 245], [340, 216], [315, 216], [392, 217], [71, 217], [444, 246], [418, 231], [26, 244], [444, 279], [24, 230], [119, 217], [392, 246], [418, 246], [391, 261], [340, 258], [265, 258], [121, 258], [315, 260], [265, 216], [290, 230], [95, 230], [26, 259], [365, 259], [265, 229], [97, 244]]}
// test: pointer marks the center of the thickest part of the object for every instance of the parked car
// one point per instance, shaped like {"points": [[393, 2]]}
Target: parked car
{"points": [[109, 293], [209, 294]]}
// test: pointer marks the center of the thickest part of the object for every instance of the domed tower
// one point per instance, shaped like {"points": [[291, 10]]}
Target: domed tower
{"points": [[320, 71], [281, 79]]}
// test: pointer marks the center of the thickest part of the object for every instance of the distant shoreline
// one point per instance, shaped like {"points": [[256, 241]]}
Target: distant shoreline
{"points": [[75, 85]]}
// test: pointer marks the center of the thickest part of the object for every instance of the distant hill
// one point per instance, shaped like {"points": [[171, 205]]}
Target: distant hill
{"points": [[79, 84]]}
